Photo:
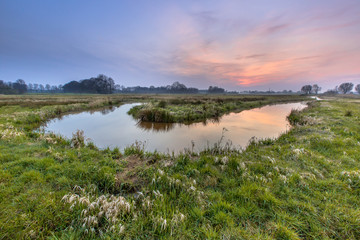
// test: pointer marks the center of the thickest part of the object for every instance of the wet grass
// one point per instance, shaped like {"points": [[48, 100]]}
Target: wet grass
{"points": [[304, 185]]}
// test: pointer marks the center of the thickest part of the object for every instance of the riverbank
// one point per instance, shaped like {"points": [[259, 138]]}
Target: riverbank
{"points": [[303, 185]]}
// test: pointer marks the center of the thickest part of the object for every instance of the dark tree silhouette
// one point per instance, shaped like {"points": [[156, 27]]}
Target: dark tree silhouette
{"points": [[20, 86], [306, 89], [215, 89], [345, 88], [5, 88], [100, 84], [316, 88]]}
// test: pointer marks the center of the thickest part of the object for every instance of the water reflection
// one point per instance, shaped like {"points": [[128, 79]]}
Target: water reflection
{"points": [[103, 111], [156, 127], [113, 127], [165, 127]]}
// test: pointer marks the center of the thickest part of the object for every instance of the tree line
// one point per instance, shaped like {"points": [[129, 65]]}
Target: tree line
{"points": [[343, 88], [103, 84]]}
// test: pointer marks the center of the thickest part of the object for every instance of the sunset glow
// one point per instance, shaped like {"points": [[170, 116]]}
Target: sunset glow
{"points": [[237, 45]]}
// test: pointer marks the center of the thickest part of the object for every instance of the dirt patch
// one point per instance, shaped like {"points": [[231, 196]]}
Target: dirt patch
{"points": [[129, 179]]}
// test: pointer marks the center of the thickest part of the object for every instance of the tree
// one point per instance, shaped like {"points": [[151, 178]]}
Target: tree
{"points": [[30, 87], [20, 86], [72, 87], [100, 84], [316, 88], [306, 89], [357, 88], [47, 87], [36, 87], [5, 88], [215, 89], [345, 88], [41, 87]]}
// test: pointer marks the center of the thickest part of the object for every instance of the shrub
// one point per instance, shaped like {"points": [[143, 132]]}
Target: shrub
{"points": [[295, 118], [78, 139], [162, 104], [348, 113]]}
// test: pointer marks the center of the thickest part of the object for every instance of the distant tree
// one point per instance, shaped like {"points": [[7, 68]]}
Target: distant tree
{"points": [[36, 87], [357, 88], [306, 89], [72, 87], [47, 87], [20, 86], [176, 87], [331, 92], [345, 88], [215, 89], [30, 87], [54, 88], [5, 88], [41, 87], [316, 88], [100, 84]]}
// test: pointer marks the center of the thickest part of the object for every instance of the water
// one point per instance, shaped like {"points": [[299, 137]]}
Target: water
{"points": [[115, 128]]}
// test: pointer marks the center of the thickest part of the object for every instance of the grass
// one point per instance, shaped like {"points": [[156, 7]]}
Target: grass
{"points": [[304, 185], [200, 108]]}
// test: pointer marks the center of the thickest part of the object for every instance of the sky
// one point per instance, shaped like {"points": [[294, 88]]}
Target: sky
{"points": [[238, 45]]}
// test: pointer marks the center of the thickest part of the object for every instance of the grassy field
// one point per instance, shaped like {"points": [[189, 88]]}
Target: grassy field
{"points": [[304, 185]]}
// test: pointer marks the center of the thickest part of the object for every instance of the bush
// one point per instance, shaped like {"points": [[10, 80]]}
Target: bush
{"points": [[162, 104], [295, 118], [348, 113]]}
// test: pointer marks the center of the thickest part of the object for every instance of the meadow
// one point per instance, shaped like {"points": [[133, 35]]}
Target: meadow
{"points": [[303, 185]]}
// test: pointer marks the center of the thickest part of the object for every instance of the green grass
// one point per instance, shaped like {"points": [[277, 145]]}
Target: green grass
{"points": [[304, 185], [201, 108]]}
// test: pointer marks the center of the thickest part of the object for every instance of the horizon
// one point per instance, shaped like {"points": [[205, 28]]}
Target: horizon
{"points": [[235, 45]]}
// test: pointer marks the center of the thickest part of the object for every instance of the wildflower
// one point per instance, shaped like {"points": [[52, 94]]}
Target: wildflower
{"points": [[121, 228], [161, 172], [242, 165], [225, 160], [283, 178], [112, 228], [163, 225], [32, 233], [272, 160]]}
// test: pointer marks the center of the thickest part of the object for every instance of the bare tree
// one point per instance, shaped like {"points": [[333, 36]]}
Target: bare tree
{"points": [[345, 88]]}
